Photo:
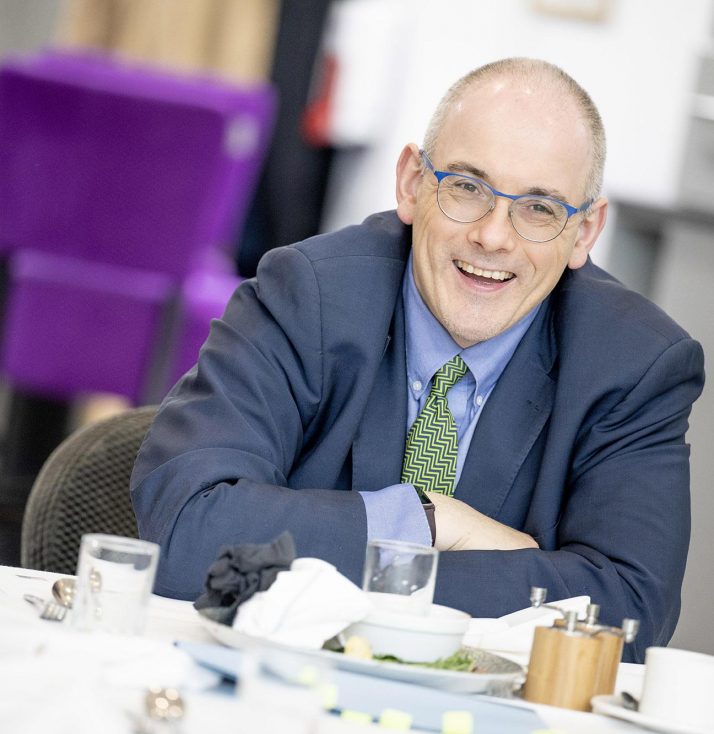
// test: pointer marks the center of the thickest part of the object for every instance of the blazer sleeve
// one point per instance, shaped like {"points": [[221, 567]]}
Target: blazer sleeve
{"points": [[623, 532], [213, 468]]}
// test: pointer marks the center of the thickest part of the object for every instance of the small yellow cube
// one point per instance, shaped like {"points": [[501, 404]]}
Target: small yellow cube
{"points": [[457, 722]]}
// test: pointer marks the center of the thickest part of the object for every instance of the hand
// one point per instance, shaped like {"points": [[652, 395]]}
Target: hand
{"points": [[460, 527]]}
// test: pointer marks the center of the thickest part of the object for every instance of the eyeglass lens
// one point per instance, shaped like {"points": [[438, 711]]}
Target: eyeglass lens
{"points": [[535, 218]]}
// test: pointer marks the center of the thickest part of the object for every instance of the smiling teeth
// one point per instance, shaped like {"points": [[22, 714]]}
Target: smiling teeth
{"points": [[493, 274]]}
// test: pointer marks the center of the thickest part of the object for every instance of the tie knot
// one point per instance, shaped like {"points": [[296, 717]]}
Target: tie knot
{"points": [[449, 375]]}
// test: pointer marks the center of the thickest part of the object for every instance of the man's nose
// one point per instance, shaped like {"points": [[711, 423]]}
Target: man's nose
{"points": [[494, 231]]}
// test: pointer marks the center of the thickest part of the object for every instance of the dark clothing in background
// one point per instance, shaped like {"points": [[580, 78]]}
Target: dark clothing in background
{"points": [[288, 204]]}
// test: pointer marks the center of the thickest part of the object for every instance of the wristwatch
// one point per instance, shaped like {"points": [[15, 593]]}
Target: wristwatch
{"points": [[429, 510]]}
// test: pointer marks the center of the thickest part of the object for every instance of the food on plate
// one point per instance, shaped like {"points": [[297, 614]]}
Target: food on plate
{"points": [[462, 660], [358, 647]]}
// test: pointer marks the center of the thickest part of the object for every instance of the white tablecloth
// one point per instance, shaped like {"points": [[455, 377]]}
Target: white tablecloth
{"points": [[53, 679]]}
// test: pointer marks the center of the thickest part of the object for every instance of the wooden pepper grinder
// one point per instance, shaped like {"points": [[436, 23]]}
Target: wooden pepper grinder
{"points": [[572, 661]]}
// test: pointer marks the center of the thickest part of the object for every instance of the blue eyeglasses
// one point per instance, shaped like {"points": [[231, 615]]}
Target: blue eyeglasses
{"points": [[468, 199]]}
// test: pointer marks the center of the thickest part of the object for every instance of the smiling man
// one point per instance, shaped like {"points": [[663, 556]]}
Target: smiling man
{"points": [[456, 372]]}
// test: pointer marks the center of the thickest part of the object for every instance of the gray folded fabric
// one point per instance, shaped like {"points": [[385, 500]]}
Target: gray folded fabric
{"points": [[240, 571]]}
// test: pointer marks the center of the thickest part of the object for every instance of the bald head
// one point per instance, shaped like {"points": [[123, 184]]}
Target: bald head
{"points": [[540, 77]]}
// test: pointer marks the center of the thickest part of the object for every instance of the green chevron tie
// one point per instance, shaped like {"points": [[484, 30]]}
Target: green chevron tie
{"points": [[430, 455]]}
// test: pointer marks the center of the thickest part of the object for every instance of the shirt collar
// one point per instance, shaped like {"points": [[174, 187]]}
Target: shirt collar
{"points": [[429, 345]]}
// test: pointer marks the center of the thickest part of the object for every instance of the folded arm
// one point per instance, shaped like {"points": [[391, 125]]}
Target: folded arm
{"points": [[623, 531]]}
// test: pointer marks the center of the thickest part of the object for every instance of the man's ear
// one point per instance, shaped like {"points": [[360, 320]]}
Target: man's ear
{"points": [[409, 176], [588, 232]]}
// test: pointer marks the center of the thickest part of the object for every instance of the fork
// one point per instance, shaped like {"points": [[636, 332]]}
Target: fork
{"points": [[49, 610]]}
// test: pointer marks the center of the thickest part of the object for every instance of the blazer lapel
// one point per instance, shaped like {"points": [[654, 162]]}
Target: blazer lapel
{"points": [[512, 419], [378, 449]]}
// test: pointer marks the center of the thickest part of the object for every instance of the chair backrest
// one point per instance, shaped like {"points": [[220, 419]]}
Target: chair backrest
{"points": [[83, 487], [124, 164]]}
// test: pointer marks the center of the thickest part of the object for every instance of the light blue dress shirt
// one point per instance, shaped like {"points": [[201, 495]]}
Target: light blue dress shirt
{"points": [[395, 512]]}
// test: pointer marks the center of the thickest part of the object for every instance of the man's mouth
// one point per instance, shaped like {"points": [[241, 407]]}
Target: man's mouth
{"points": [[480, 274]]}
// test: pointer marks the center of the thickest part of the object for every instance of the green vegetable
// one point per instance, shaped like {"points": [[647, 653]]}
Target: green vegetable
{"points": [[462, 660]]}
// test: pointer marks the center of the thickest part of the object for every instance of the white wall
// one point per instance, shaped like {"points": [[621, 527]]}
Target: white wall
{"points": [[639, 66], [683, 288]]}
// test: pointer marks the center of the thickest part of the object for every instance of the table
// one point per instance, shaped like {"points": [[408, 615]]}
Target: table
{"points": [[51, 676]]}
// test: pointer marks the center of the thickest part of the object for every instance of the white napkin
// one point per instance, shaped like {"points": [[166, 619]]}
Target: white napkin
{"points": [[304, 606], [119, 660], [54, 679], [41, 695], [512, 635]]}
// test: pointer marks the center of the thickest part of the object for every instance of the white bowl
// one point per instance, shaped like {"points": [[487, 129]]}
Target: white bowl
{"points": [[415, 638]]}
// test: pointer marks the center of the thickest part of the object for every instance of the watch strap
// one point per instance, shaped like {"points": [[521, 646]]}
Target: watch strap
{"points": [[430, 512]]}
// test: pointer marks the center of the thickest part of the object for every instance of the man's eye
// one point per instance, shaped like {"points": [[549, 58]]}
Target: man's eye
{"points": [[467, 186], [537, 207], [542, 208]]}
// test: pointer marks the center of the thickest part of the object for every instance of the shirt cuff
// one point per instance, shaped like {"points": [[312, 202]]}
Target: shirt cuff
{"points": [[396, 513]]}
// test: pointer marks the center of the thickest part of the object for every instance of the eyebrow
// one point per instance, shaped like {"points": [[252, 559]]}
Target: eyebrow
{"points": [[462, 167]]}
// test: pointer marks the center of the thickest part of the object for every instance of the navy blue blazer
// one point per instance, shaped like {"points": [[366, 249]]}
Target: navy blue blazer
{"points": [[299, 398]]}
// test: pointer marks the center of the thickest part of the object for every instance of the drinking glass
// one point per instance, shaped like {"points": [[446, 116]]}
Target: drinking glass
{"points": [[400, 576], [115, 576], [284, 688]]}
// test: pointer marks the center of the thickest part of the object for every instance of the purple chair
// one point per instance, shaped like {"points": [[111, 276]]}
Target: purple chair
{"points": [[123, 164], [73, 326], [118, 183]]}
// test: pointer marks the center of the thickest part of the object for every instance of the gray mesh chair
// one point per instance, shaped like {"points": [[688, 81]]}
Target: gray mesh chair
{"points": [[83, 487]]}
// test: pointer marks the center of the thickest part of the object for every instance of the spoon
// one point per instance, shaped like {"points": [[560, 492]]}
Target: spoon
{"points": [[629, 701], [63, 591]]}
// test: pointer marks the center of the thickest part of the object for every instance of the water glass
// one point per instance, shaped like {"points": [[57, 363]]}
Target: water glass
{"points": [[288, 689], [115, 576], [400, 576]]}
